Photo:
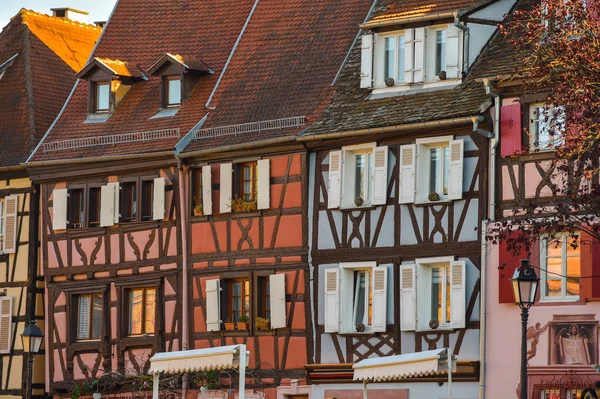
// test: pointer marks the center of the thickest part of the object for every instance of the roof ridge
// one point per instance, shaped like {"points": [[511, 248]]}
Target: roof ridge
{"points": [[27, 12]]}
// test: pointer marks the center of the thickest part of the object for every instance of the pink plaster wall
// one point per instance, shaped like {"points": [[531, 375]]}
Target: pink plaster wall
{"points": [[373, 393], [507, 190]]}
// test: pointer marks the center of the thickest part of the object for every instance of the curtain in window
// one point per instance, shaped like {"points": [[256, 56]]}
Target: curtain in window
{"points": [[83, 327]]}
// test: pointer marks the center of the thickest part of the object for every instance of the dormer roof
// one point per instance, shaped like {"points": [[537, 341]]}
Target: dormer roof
{"points": [[111, 67], [186, 63]]}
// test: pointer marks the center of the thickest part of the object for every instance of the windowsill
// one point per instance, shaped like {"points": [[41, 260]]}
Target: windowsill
{"points": [[354, 332], [440, 202], [407, 89], [430, 331], [358, 208], [201, 218], [166, 112], [563, 300], [97, 117], [236, 333], [259, 333], [241, 215]]}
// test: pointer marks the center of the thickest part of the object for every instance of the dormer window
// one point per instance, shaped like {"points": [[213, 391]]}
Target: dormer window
{"points": [[101, 97], [412, 58], [172, 91]]}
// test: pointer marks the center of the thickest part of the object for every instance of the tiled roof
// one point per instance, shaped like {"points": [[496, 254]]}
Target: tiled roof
{"points": [[120, 68], [283, 67], [30, 98], [396, 9]]}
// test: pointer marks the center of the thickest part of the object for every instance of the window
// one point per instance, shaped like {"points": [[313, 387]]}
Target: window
{"points": [[94, 207], [432, 294], [264, 297], [197, 191], [561, 268], [76, 208], [172, 91], [147, 199], [239, 299], [394, 57], [440, 51], [101, 97], [89, 316], [439, 169], [248, 181], [128, 201], [546, 125], [140, 199], [141, 311], [362, 300]]}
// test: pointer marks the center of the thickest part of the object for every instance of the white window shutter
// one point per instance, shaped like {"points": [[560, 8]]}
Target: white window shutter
{"points": [[366, 62], [408, 297], [408, 157], [335, 178], [264, 184], [452, 55], [332, 301], [277, 298], [455, 191], [226, 187], [409, 55], [117, 203], [107, 205], [419, 61], [5, 324], [379, 322], [59, 209], [158, 203], [380, 175], [213, 305], [11, 204], [206, 190], [458, 294]]}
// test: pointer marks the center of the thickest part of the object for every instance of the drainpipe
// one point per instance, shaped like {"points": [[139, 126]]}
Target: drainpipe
{"points": [[466, 39], [184, 265]]}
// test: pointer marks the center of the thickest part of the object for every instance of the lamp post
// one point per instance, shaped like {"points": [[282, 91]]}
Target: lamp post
{"points": [[525, 284], [32, 342]]}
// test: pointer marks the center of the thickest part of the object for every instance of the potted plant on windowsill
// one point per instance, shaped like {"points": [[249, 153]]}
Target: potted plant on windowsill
{"points": [[198, 207], [434, 197], [241, 204], [229, 326], [242, 323], [263, 324]]}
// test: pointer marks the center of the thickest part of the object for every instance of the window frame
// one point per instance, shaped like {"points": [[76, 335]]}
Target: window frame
{"points": [[95, 93], [241, 180], [166, 90], [197, 195], [380, 57], [75, 299], [423, 168], [348, 173], [128, 314], [245, 285], [424, 294], [348, 290], [140, 203], [534, 139], [564, 297]]}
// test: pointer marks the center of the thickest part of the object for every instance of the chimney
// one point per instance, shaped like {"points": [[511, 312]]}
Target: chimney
{"points": [[100, 24], [71, 13]]}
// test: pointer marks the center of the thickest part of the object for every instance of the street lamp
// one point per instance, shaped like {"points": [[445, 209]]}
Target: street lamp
{"points": [[525, 284], [32, 342]]}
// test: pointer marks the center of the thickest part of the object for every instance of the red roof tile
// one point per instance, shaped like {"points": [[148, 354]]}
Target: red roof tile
{"points": [[397, 9], [35, 86]]}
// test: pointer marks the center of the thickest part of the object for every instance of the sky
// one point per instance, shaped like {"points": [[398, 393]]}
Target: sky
{"points": [[99, 9]]}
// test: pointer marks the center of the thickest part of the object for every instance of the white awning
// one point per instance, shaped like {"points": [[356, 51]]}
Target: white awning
{"points": [[219, 358], [403, 366]]}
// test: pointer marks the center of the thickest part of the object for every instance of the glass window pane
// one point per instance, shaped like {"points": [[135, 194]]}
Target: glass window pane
{"points": [[360, 176], [447, 293], [102, 96], [247, 298], [150, 310], [574, 275], [174, 91], [434, 170], [440, 51], [390, 49], [401, 62], [446, 169], [359, 297], [555, 247], [436, 294], [83, 326], [135, 311], [97, 317]]}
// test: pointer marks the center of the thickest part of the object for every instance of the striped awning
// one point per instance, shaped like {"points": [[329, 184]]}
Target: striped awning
{"points": [[403, 366], [219, 358]]}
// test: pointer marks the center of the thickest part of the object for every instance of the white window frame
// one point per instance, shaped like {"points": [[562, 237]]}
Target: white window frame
{"points": [[544, 268], [347, 290], [431, 52], [2, 224], [348, 174], [553, 141], [423, 167], [379, 72], [423, 270]]}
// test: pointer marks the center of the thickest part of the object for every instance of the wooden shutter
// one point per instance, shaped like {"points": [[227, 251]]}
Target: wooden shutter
{"points": [[366, 62], [407, 173], [11, 232], [380, 175], [206, 190], [453, 70], [158, 203], [332, 301], [409, 55], [59, 209], [277, 298], [226, 187], [107, 205], [509, 257], [408, 297], [335, 177], [117, 203], [264, 184], [213, 311], [455, 189], [5, 324], [510, 129], [590, 266], [458, 294], [379, 287], [419, 61]]}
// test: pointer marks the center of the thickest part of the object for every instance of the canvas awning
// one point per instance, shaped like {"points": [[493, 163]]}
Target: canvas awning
{"points": [[402, 366], [219, 358]]}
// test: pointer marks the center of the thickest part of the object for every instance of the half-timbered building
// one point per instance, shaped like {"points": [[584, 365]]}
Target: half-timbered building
{"points": [[175, 194], [30, 99], [397, 191], [563, 329]]}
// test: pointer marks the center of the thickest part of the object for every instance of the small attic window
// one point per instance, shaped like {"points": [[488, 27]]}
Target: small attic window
{"points": [[172, 86], [101, 97]]}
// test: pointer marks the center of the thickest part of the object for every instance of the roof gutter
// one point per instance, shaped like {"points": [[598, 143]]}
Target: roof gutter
{"points": [[407, 20], [16, 168], [397, 128], [235, 147], [97, 159]]}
